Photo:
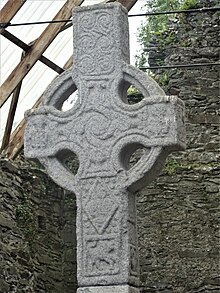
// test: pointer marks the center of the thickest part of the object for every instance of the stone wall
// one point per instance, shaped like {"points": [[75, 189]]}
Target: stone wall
{"points": [[178, 214], [37, 231]]}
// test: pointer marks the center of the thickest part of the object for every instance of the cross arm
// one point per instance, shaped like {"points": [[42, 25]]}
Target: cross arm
{"points": [[156, 124]]}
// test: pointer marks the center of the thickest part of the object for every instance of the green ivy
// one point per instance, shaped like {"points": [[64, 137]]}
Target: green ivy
{"points": [[155, 28], [189, 4], [132, 91], [26, 220], [173, 165]]}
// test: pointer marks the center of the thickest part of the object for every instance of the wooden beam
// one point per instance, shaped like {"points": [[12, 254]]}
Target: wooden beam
{"points": [[11, 115], [9, 11], [41, 44], [26, 47], [17, 139]]}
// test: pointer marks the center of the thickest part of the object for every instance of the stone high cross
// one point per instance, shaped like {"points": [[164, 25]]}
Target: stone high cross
{"points": [[103, 130]]}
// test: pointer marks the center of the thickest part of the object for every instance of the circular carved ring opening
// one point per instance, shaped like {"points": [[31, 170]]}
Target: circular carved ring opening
{"points": [[131, 154]]}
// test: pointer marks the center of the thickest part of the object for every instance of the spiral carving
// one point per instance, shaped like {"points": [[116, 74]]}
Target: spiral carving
{"points": [[98, 129], [87, 65], [96, 44], [105, 43], [87, 43], [104, 22], [87, 22], [105, 63]]}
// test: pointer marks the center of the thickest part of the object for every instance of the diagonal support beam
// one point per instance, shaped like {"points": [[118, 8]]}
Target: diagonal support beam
{"points": [[15, 145], [9, 11], [11, 115], [26, 47], [41, 44]]}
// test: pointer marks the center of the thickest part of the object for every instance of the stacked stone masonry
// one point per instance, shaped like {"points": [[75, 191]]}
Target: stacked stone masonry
{"points": [[179, 213], [37, 231]]}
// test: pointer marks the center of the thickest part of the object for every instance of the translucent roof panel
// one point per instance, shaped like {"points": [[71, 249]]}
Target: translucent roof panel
{"points": [[33, 11]]}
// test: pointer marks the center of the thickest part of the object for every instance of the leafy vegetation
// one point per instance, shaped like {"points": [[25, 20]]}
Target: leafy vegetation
{"points": [[134, 95], [188, 4], [155, 28], [26, 219]]}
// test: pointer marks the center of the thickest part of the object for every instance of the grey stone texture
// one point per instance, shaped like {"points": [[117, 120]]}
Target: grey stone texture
{"points": [[103, 130], [109, 289]]}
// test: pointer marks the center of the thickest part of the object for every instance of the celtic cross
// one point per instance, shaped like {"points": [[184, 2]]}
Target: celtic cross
{"points": [[103, 130]]}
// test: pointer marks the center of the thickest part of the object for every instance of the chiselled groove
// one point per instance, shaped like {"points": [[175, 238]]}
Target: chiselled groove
{"points": [[106, 222]]}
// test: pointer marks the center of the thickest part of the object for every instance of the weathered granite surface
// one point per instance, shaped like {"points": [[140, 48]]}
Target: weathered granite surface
{"points": [[110, 289], [103, 130]]}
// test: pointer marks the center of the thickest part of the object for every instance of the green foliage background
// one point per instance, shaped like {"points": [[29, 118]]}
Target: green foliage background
{"points": [[155, 26]]}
